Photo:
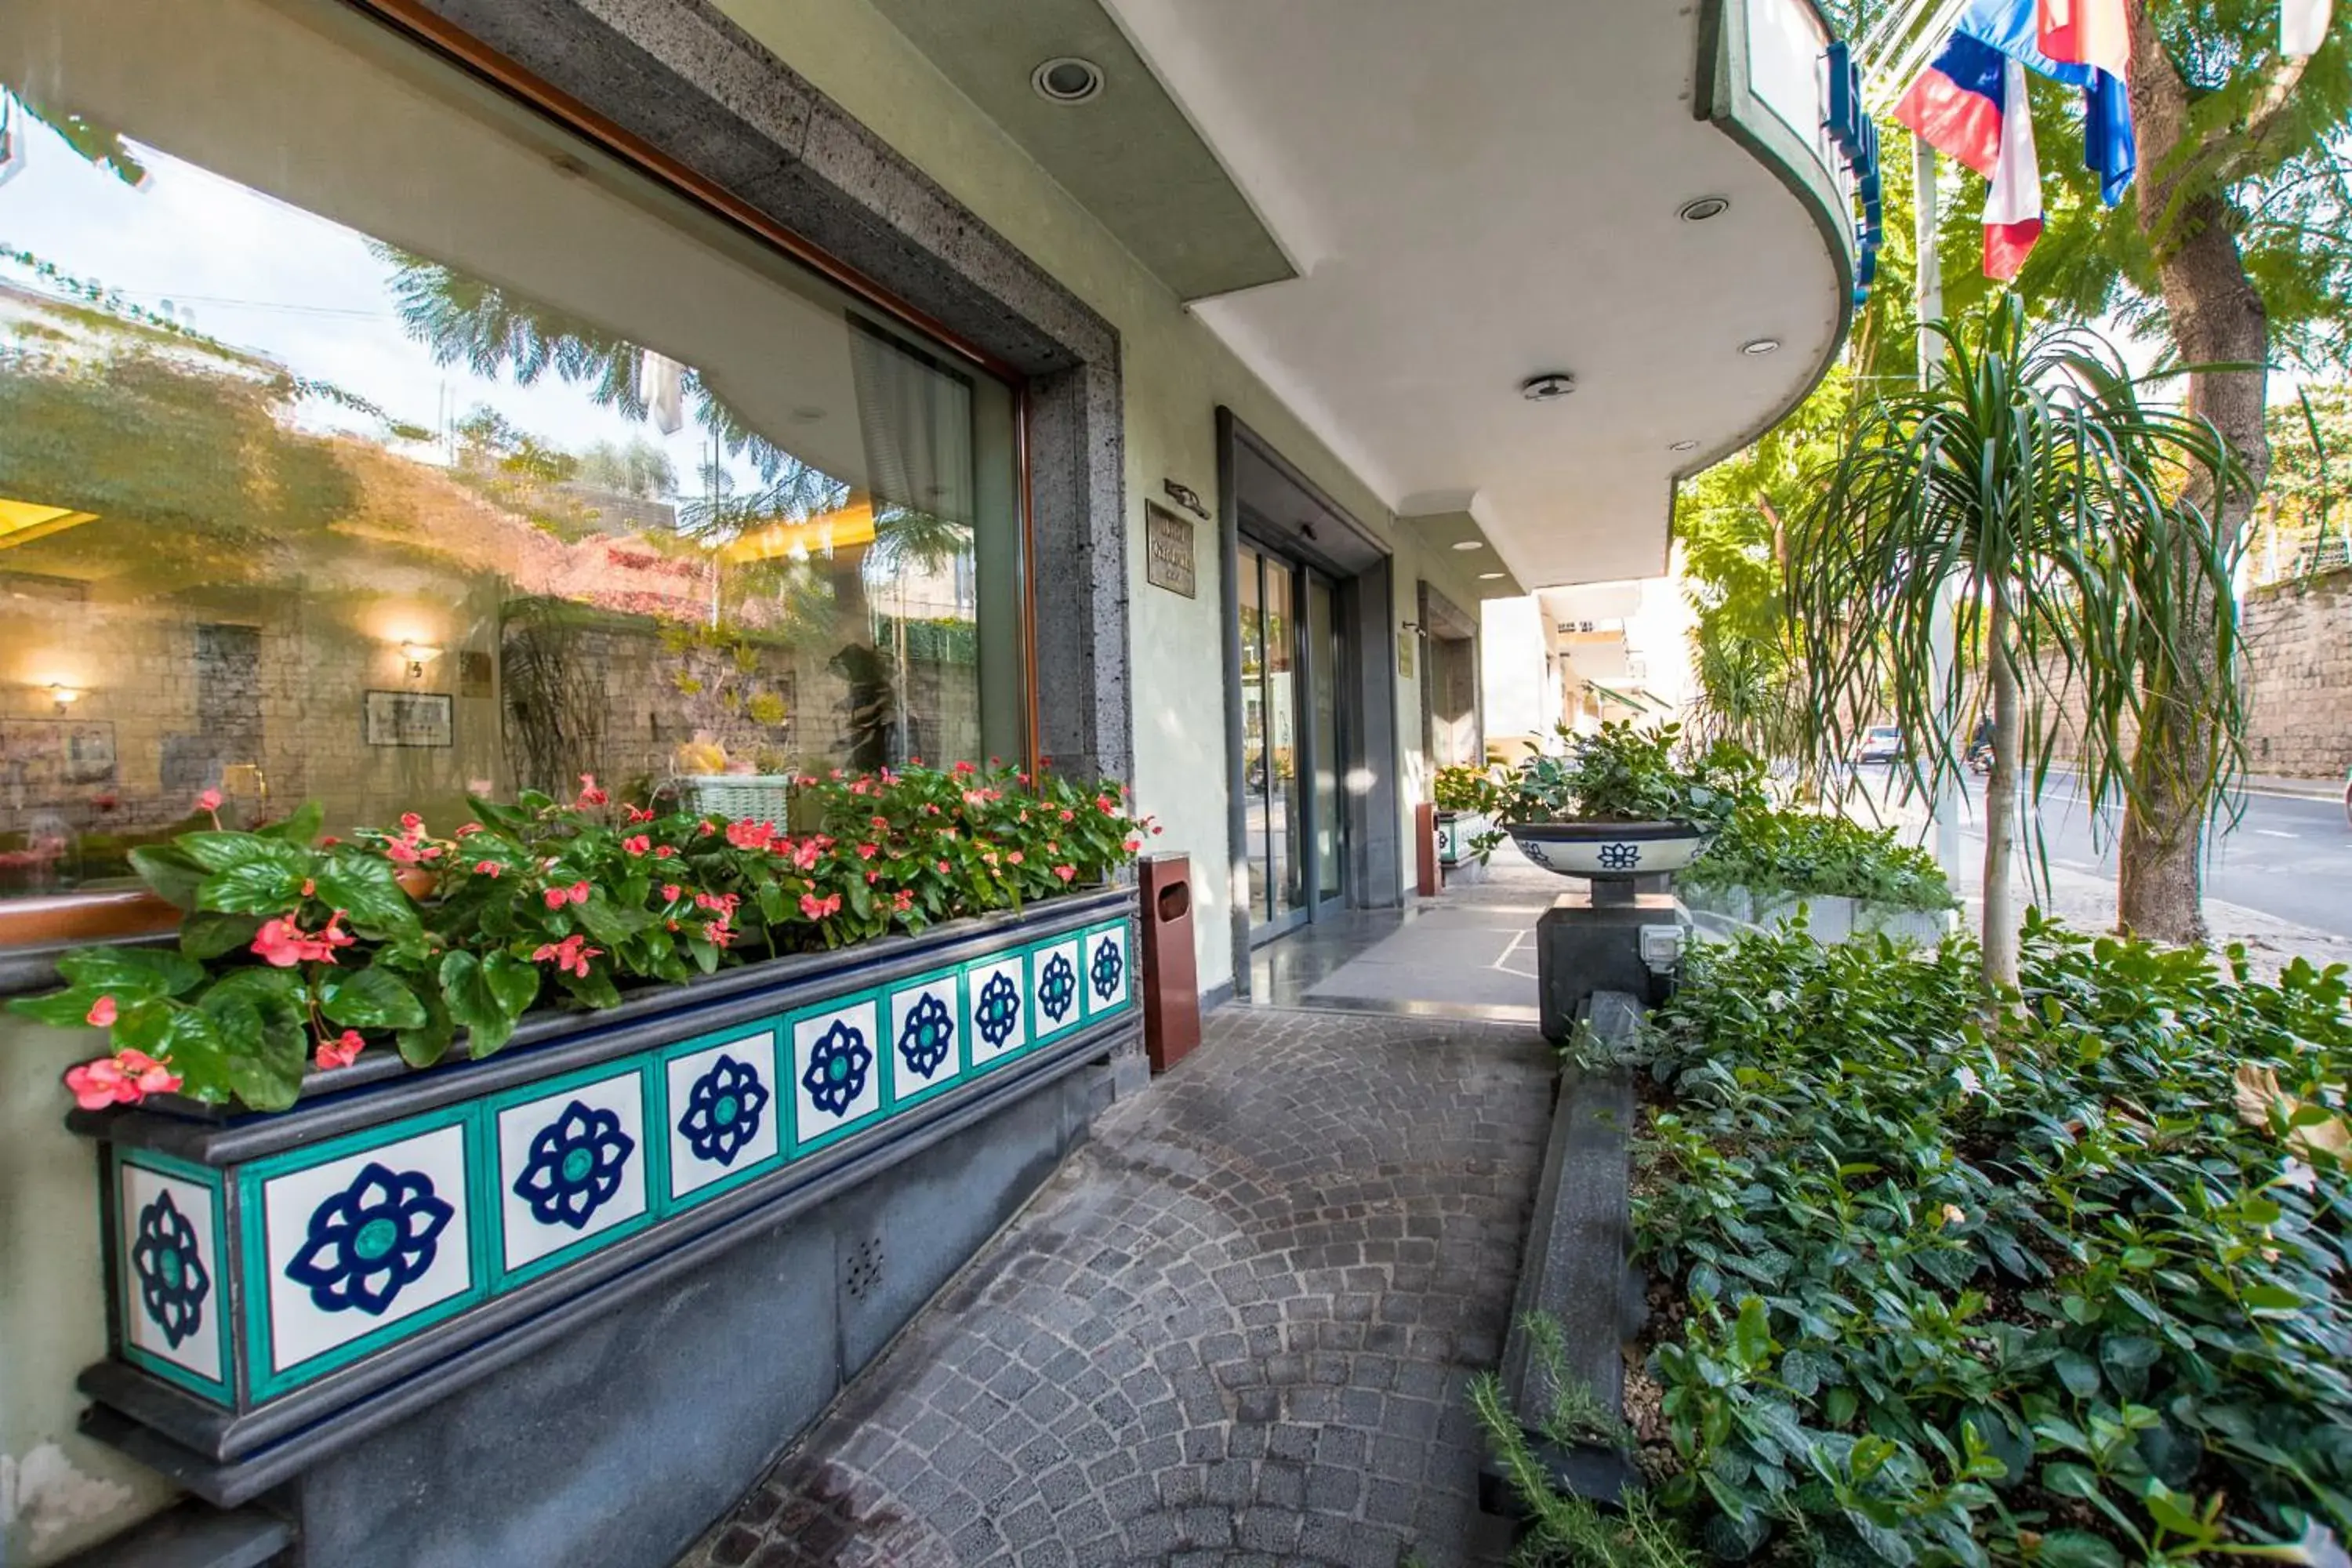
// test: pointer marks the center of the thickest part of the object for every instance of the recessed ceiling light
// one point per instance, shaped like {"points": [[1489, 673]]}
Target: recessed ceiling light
{"points": [[1068, 80], [1547, 387], [1684, 446], [1469, 544], [1760, 347], [1703, 208], [1489, 576]]}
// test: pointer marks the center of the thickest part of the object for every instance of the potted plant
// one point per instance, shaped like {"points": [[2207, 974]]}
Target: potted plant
{"points": [[1615, 804], [1461, 793]]}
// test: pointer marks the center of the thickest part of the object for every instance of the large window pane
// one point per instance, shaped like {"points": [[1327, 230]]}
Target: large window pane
{"points": [[364, 437]]}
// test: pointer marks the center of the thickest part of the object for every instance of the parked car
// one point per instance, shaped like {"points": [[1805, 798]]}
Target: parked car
{"points": [[1880, 744]]}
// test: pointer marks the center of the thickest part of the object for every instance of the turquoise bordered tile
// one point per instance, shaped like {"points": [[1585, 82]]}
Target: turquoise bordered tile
{"points": [[577, 1177], [320, 1223], [915, 1013], [1055, 980], [724, 1104], [1107, 968], [836, 1049], [996, 1003], [171, 1225]]}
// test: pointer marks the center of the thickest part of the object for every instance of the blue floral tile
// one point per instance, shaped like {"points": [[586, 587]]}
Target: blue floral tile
{"points": [[355, 1244], [926, 1037], [1055, 987], [572, 1165], [998, 994], [724, 1105], [1108, 968], [836, 1069], [172, 1291]]}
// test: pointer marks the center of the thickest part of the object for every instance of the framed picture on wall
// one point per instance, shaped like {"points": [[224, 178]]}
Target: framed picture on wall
{"points": [[411, 718]]}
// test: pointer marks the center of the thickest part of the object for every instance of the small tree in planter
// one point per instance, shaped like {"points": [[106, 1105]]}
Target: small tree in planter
{"points": [[2030, 474], [1616, 804]]}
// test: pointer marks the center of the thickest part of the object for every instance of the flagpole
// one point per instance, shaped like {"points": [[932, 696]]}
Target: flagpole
{"points": [[1928, 300]]}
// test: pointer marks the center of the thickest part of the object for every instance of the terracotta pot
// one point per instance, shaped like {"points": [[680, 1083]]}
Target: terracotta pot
{"points": [[416, 882]]}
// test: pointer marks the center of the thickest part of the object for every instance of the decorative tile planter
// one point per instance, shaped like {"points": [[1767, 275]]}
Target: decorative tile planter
{"points": [[276, 1274], [1456, 830]]}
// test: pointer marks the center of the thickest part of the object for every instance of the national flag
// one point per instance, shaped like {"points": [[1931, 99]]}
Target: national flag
{"points": [[2094, 33], [2109, 147], [2303, 26], [1956, 105], [2012, 214]]}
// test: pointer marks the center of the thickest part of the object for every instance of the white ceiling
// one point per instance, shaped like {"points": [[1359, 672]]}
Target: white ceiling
{"points": [[1479, 191]]}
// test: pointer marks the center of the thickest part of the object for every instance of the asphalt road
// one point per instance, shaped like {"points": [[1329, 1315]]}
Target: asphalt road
{"points": [[2290, 859]]}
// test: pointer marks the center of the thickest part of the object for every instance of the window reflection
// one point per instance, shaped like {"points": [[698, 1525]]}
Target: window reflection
{"points": [[288, 510]]}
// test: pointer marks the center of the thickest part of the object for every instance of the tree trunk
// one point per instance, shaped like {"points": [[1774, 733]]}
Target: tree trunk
{"points": [[2217, 317], [2001, 804]]}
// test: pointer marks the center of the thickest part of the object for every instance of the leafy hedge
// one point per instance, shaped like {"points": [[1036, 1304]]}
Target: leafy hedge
{"points": [[1806, 853], [298, 949], [2074, 1297]]}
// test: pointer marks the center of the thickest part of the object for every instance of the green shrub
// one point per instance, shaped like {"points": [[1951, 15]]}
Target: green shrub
{"points": [[1803, 852], [2078, 1297]]}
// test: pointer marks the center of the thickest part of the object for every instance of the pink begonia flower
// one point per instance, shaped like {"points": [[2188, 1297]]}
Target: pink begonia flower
{"points": [[489, 868], [1104, 805], [411, 824], [556, 898], [670, 892], [209, 800], [283, 945], [122, 1079], [1067, 814], [1132, 845], [637, 814], [872, 877], [341, 1051], [639, 845], [1066, 872], [867, 851], [906, 896], [468, 831], [571, 955], [1014, 857], [103, 1013], [817, 909], [664, 851], [943, 867], [589, 794], [399, 853]]}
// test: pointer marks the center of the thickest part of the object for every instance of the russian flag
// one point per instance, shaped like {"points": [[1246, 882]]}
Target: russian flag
{"points": [[2012, 214], [1956, 105], [2094, 33]]}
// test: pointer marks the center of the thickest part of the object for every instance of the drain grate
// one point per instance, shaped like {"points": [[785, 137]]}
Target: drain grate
{"points": [[863, 1275]]}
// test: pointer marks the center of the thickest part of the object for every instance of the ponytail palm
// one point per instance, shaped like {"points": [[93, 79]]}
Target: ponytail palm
{"points": [[2071, 523]]}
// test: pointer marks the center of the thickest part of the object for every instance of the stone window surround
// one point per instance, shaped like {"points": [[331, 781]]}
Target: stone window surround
{"points": [[676, 79]]}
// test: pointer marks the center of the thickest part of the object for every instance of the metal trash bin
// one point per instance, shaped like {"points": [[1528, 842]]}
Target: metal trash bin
{"points": [[1172, 982]]}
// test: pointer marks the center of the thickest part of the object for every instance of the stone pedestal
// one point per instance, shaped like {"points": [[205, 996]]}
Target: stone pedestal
{"points": [[1591, 940]]}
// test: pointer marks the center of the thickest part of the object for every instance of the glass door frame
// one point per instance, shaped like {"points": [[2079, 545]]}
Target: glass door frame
{"points": [[1306, 666]]}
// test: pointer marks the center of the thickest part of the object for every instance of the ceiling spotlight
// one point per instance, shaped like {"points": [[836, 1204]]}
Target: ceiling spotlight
{"points": [[1705, 208], [1469, 544], [1684, 446], [1760, 347], [1489, 576], [1547, 387], [1068, 80]]}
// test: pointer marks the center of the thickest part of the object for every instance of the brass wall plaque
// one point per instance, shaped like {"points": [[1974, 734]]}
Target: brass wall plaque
{"points": [[1168, 550]]}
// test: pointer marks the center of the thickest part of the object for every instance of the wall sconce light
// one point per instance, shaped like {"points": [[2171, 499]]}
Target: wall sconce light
{"points": [[63, 697], [418, 655], [1186, 497]]}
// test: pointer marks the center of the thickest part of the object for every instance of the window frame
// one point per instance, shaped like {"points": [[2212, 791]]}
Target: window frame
{"points": [[32, 924]]}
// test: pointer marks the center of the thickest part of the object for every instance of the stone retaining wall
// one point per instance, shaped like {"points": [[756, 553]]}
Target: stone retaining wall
{"points": [[2299, 647]]}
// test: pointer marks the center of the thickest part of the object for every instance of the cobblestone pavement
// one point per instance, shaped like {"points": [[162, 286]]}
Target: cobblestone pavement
{"points": [[1235, 1328]]}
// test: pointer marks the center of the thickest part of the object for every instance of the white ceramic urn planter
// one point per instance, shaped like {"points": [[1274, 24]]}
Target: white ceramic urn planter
{"points": [[1608, 851]]}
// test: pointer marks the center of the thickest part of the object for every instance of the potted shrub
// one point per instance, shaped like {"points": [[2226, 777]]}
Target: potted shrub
{"points": [[1461, 793], [1616, 804], [1768, 863]]}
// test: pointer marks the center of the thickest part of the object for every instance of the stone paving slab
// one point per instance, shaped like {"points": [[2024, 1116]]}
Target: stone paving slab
{"points": [[1236, 1328]]}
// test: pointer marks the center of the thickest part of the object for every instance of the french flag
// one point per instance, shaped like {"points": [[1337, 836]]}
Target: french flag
{"points": [[2089, 42]]}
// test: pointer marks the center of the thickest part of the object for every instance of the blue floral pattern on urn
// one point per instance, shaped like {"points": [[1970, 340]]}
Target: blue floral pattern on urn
{"points": [[1620, 856], [1106, 970], [929, 1035], [1058, 988], [998, 1011], [839, 1064], [723, 1110], [370, 1241], [173, 1281], [576, 1165]]}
